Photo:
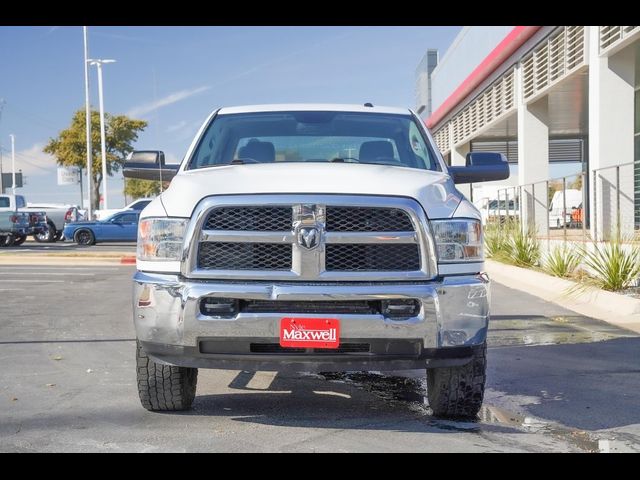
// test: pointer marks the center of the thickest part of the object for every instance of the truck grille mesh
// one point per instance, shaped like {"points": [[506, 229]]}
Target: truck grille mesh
{"points": [[372, 257], [367, 219], [244, 256], [260, 219]]}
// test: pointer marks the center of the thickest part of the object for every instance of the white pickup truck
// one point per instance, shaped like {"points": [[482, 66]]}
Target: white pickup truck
{"points": [[312, 238], [57, 216]]}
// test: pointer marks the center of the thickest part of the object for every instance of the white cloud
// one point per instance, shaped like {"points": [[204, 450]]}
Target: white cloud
{"points": [[177, 126], [174, 97], [32, 161]]}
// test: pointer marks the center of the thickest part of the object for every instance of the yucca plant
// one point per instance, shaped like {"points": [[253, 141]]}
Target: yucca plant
{"points": [[497, 239], [613, 267], [494, 240], [562, 261], [524, 248]]}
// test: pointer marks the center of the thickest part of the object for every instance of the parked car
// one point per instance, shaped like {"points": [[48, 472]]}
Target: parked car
{"points": [[57, 215], [138, 206], [313, 238], [493, 210], [120, 227]]}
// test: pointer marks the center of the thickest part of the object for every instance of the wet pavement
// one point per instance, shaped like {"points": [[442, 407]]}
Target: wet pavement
{"points": [[556, 382]]}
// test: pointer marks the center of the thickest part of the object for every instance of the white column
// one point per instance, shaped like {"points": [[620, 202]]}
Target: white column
{"points": [[611, 118], [533, 157]]}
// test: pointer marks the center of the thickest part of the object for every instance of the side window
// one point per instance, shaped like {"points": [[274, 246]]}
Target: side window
{"points": [[127, 218], [20, 203], [140, 205], [418, 147]]}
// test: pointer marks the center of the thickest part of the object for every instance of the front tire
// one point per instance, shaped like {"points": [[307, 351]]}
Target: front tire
{"points": [[6, 240], [48, 236], [85, 237], [164, 388], [19, 240], [456, 392]]}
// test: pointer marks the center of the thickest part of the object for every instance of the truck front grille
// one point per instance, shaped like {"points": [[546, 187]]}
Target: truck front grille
{"points": [[311, 237], [244, 256]]}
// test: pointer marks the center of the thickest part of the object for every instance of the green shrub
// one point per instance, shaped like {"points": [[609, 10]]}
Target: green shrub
{"points": [[523, 249], [612, 266], [496, 239], [561, 261]]}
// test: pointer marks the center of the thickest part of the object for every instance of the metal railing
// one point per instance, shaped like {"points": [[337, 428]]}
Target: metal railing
{"points": [[551, 209], [599, 205], [615, 209]]}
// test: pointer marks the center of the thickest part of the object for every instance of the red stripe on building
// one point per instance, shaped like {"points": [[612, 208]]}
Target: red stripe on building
{"points": [[514, 40]]}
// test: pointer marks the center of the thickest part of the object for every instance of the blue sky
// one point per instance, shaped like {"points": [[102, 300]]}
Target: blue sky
{"points": [[173, 77]]}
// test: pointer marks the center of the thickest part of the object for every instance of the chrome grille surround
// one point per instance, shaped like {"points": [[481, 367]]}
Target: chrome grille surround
{"points": [[308, 264]]}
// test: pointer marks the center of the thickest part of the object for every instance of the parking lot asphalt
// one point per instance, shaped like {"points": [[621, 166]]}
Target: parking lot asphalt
{"points": [[31, 247], [557, 381]]}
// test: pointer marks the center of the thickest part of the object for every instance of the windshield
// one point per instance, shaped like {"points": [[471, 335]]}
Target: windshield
{"points": [[4, 202], [311, 136]]}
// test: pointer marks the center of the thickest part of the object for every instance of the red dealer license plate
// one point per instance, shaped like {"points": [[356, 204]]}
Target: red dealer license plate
{"points": [[310, 332]]}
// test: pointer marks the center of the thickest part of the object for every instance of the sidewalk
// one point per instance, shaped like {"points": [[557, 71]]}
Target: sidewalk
{"points": [[614, 308]]}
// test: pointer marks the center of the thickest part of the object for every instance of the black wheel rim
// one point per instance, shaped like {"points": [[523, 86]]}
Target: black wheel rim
{"points": [[84, 237]]}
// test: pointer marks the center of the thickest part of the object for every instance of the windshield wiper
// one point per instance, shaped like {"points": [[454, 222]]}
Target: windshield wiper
{"points": [[236, 161]]}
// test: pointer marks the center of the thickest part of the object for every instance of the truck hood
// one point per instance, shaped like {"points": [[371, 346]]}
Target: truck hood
{"points": [[433, 190]]}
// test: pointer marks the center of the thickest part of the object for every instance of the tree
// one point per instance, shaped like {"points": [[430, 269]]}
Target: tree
{"points": [[577, 183], [70, 148], [141, 188]]}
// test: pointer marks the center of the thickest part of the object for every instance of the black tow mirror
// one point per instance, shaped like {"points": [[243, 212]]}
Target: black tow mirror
{"points": [[149, 165], [481, 167]]}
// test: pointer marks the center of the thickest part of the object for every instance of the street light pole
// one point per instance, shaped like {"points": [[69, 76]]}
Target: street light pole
{"points": [[13, 163], [103, 146], [87, 109]]}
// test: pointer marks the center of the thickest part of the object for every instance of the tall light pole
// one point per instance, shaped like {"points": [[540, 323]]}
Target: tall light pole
{"points": [[2, 102], [87, 109], [13, 163], [99, 63]]}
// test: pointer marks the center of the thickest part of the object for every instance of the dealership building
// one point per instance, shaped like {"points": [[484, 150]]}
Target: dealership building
{"points": [[556, 101]]}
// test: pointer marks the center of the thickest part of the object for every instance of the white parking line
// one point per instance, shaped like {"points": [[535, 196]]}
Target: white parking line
{"points": [[48, 273], [46, 268], [30, 281]]}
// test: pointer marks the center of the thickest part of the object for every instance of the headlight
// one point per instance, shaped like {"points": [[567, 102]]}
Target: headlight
{"points": [[161, 238], [458, 240]]}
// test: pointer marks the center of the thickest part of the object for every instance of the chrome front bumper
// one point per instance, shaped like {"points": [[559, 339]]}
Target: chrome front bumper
{"points": [[453, 318]]}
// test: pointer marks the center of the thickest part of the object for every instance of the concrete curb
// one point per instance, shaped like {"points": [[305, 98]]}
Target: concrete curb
{"points": [[610, 307]]}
